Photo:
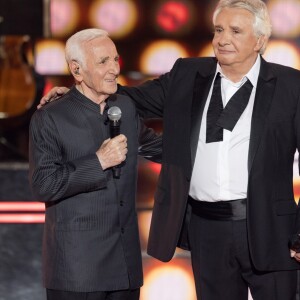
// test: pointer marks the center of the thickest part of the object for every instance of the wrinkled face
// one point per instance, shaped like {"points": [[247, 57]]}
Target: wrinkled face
{"points": [[99, 76], [235, 44]]}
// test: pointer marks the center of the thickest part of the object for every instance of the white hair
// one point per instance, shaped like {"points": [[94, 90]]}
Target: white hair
{"points": [[262, 23], [74, 50]]}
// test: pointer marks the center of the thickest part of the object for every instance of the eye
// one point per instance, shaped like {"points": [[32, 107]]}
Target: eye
{"points": [[218, 30], [103, 60], [117, 58], [235, 31]]}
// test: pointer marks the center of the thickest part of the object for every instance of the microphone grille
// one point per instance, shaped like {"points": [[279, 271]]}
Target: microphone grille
{"points": [[114, 113]]}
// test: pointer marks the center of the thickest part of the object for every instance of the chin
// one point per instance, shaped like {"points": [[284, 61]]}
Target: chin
{"points": [[224, 61], [111, 91]]}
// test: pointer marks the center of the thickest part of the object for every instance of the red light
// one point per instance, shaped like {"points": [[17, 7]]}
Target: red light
{"points": [[155, 167], [48, 86], [172, 16]]}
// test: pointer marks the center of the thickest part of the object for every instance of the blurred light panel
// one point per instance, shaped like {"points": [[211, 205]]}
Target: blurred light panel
{"points": [[117, 17], [22, 212], [50, 58], [173, 281], [285, 17], [174, 17], [64, 16], [283, 52], [160, 56]]}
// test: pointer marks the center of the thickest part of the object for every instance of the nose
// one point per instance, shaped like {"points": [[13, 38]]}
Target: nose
{"points": [[224, 38], [114, 67]]}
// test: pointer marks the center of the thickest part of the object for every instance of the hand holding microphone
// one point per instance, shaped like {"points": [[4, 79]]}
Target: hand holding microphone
{"points": [[113, 151]]}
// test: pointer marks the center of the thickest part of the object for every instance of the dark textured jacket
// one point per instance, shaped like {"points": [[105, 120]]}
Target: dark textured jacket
{"points": [[91, 240]]}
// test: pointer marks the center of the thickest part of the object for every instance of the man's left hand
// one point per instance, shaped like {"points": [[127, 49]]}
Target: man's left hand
{"points": [[295, 255]]}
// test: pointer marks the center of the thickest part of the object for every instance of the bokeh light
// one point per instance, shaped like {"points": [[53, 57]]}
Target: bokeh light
{"points": [[285, 17], [174, 17], [50, 57], [64, 17], [160, 56], [172, 281], [283, 52], [117, 17]]}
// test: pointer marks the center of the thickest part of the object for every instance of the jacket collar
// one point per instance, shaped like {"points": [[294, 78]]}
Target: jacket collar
{"points": [[263, 98]]}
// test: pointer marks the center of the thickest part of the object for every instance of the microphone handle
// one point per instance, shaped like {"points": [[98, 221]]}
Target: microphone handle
{"points": [[115, 131]]}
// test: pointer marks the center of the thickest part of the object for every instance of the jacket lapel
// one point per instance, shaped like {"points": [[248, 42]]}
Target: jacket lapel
{"points": [[201, 89], [264, 95]]}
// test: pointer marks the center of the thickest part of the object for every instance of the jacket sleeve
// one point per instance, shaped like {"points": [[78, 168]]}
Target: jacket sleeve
{"points": [[150, 96], [150, 143], [51, 176], [294, 242]]}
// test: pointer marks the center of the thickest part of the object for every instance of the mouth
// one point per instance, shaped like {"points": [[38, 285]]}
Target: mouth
{"points": [[112, 80], [223, 51]]}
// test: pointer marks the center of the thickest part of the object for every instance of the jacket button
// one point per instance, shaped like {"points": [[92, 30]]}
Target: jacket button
{"points": [[122, 230], [121, 203]]}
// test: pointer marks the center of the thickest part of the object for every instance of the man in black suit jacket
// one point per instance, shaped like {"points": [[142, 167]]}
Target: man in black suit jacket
{"points": [[91, 244], [229, 201], [228, 196]]}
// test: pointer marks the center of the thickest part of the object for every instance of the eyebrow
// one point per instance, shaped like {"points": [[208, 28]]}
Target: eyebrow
{"points": [[235, 27], [107, 57], [231, 27]]}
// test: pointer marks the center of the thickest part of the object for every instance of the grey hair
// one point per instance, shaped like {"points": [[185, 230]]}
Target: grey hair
{"points": [[74, 50], [262, 23]]}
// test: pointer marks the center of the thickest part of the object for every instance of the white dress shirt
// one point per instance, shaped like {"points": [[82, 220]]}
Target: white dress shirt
{"points": [[220, 171]]}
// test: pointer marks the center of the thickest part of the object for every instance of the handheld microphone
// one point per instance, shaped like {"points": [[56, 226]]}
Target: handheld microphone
{"points": [[114, 115]]}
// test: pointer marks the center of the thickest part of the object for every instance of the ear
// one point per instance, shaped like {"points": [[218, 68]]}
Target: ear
{"points": [[75, 70], [260, 43]]}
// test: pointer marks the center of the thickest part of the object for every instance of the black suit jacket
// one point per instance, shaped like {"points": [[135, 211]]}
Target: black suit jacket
{"points": [[91, 240], [272, 214]]}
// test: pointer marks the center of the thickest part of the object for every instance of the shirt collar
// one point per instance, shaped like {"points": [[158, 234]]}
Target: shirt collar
{"points": [[252, 75]]}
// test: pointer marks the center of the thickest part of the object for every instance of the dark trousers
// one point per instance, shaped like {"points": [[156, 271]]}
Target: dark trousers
{"points": [[113, 295], [222, 265]]}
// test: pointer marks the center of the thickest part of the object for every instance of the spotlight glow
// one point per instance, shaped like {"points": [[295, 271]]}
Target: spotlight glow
{"points": [[160, 56], [168, 283], [118, 17]]}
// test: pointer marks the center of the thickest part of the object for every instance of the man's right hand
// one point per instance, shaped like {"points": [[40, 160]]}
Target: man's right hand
{"points": [[52, 95], [112, 151]]}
